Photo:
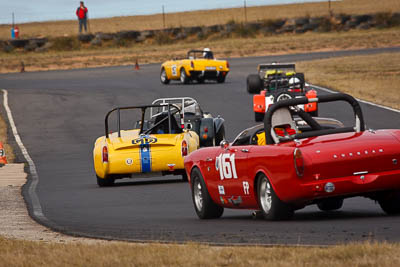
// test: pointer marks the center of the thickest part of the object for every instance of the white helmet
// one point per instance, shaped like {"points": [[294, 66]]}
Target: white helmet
{"points": [[294, 82], [205, 51]]}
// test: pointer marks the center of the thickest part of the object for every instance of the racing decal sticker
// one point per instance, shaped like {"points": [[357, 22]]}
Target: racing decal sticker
{"points": [[171, 167], [246, 188], [145, 157], [144, 140], [225, 164], [128, 161], [221, 190], [173, 70], [235, 201]]}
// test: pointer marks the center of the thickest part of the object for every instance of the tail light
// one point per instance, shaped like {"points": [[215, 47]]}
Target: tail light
{"points": [[227, 64], [184, 148], [192, 64], [206, 129], [298, 162], [105, 154]]}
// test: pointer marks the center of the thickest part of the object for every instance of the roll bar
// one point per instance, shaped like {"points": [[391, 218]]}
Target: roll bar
{"points": [[360, 124], [143, 108]]}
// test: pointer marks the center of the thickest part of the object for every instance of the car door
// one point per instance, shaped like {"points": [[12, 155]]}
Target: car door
{"points": [[230, 172]]}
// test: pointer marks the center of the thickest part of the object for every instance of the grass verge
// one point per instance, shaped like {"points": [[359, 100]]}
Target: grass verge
{"points": [[223, 47], [30, 253]]}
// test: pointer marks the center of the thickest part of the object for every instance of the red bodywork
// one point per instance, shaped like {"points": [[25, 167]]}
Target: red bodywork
{"points": [[356, 163], [259, 103]]}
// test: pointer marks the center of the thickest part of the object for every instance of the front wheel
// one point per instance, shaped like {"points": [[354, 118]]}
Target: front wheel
{"points": [[203, 204], [184, 77], [107, 181], [272, 208], [163, 77], [390, 203], [221, 78]]}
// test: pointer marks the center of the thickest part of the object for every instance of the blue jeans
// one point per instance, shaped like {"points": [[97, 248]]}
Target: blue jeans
{"points": [[82, 22]]}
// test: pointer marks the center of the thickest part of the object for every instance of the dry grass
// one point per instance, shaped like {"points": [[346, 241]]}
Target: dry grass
{"points": [[374, 78], [206, 18], [230, 47], [28, 253]]}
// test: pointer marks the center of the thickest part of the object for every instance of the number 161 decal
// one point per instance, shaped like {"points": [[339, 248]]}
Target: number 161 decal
{"points": [[225, 164]]}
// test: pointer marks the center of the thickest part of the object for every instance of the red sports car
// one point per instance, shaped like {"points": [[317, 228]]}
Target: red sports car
{"points": [[294, 160]]}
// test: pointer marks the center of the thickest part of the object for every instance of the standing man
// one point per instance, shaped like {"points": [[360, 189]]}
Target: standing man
{"points": [[81, 13]]}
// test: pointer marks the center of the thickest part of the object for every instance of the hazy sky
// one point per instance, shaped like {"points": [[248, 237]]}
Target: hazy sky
{"points": [[43, 10]]}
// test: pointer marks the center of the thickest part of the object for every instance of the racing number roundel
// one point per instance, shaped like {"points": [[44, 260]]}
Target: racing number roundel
{"points": [[225, 164]]}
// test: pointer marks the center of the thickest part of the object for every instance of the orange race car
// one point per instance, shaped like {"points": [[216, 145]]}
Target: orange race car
{"points": [[275, 82]]}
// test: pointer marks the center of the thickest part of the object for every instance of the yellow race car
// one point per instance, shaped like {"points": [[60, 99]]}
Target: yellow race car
{"points": [[200, 65], [151, 147]]}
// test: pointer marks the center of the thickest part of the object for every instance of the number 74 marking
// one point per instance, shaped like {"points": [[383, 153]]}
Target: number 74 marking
{"points": [[225, 163]]}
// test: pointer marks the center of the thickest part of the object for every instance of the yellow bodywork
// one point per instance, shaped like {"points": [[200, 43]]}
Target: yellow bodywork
{"points": [[173, 67], [134, 154]]}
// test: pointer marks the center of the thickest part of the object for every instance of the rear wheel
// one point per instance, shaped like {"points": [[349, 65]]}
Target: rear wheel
{"points": [[330, 204], [200, 80], [271, 206], [390, 203], [184, 77], [258, 116], [107, 181], [221, 78], [203, 204], [254, 84], [163, 77]]}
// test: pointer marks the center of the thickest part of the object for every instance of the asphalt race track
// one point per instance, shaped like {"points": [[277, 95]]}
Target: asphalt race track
{"points": [[59, 114]]}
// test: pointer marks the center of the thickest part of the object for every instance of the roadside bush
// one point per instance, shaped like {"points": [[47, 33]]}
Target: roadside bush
{"points": [[161, 38], [65, 44]]}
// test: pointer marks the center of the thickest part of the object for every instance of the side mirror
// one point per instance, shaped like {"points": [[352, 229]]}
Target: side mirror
{"points": [[224, 144]]}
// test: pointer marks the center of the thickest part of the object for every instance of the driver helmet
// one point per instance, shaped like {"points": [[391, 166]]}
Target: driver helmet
{"points": [[206, 51], [294, 82]]}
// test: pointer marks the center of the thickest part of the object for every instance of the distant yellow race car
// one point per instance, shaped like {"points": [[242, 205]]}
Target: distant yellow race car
{"points": [[200, 65]]}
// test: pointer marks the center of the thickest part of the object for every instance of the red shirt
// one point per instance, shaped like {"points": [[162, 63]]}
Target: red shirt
{"points": [[81, 12]]}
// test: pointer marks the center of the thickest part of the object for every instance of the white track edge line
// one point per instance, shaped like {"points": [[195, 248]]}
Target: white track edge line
{"points": [[359, 100], [37, 208]]}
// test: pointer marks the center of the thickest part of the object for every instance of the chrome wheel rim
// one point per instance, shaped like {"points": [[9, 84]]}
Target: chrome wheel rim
{"points": [[198, 195], [183, 75], [265, 195], [163, 76]]}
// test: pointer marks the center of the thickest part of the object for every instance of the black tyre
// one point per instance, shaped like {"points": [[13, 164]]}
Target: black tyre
{"points": [[390, 203], [220, 135], [282, 96], [221, 78], [184, 78], [330, 204], [258, 116], [184, 177], [254, 84], [102, 182], [203, 204], [163, 77], [272, 208], [200, 80]]}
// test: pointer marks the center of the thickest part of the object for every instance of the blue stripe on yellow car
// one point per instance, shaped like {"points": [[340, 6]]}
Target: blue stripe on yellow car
{"points": [[145, 157]]}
